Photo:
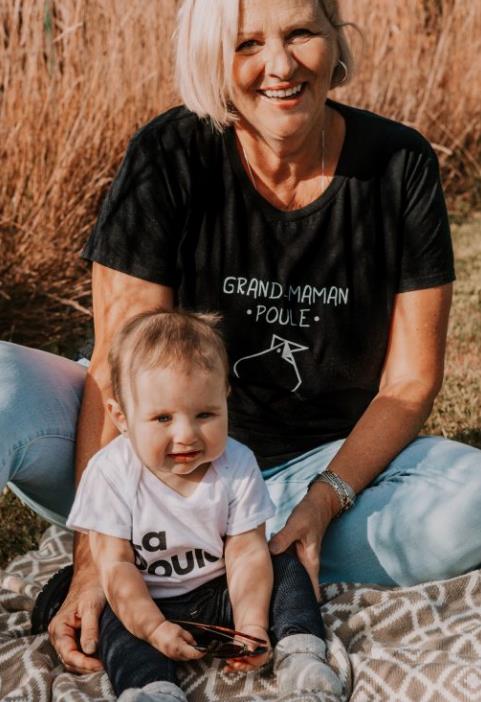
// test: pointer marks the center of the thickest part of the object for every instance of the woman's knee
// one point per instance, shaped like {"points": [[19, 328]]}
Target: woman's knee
{"points": [[430, 526], [33, 381], [40, 396]]}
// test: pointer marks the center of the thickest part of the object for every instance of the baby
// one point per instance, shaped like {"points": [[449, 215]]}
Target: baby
{"points": [[176, 512]]}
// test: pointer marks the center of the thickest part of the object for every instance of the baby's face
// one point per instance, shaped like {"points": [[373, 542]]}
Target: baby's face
{"points": [[177, 417]]}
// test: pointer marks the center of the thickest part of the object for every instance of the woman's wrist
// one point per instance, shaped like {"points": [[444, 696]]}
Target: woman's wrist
{"points": [[83, 563], [343, 490], [326, 497]]}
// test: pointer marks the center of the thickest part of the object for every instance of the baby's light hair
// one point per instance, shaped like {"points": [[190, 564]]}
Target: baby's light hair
{"points": [[160, 338]]}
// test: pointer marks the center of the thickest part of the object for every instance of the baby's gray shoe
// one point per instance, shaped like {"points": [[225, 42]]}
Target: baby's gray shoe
{"points": [[161, 691], [300, 665]]}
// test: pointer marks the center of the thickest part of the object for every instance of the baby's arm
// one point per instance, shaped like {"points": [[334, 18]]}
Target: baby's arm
{"points": [[249, 578], [129, 597]]}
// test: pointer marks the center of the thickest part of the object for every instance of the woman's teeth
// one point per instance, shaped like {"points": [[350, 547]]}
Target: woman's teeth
{"points": [[279, 94]]}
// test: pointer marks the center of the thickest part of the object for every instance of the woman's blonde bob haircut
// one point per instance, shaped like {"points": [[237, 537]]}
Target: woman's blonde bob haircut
{"points": [[205, 38]]}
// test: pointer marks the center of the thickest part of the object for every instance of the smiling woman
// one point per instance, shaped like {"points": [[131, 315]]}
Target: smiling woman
{"points": [[320, 232], [279, 61], [209, 35], [282, 69]]}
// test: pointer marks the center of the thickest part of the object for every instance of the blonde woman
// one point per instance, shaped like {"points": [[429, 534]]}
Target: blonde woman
{"points": [[320, 233]]}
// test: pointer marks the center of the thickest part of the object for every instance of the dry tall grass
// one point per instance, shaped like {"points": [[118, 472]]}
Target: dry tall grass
{"points": [[78, 76]]}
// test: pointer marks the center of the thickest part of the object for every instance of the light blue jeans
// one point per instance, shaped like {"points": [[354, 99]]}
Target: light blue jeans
{"points": [[420, 520]]}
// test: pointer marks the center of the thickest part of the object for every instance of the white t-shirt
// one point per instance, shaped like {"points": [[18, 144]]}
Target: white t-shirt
{"points": [[178, 541]]}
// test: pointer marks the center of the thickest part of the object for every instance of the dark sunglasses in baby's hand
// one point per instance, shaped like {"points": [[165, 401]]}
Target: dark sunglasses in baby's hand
{"points": [[221, 642]]}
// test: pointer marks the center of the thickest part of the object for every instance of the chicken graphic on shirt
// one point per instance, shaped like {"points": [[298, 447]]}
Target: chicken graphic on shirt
{"points": [[278, 361]]}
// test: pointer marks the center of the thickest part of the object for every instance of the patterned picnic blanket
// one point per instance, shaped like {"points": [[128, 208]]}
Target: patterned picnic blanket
{"points": [[420, 643]]}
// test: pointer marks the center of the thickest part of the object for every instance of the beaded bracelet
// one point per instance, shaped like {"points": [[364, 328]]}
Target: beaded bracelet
{"points": [[343, 490]]}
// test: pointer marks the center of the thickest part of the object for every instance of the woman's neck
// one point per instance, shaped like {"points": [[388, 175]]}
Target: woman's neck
{"points": [[291, 173], [276, 159]]}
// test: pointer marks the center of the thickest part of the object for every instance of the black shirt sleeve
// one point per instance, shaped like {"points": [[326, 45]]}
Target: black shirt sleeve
{"points": [[142, 216], [427, 255]]}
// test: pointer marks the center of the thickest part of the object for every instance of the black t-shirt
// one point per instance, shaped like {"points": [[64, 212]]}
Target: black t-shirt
{"points": [[306, 295]]}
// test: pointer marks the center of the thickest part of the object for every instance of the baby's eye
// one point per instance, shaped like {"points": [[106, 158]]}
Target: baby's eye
{"points": [[205, 415], [162, 418]]}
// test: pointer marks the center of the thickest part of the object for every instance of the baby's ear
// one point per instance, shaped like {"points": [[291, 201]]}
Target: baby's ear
{"points": [[116, 415]]}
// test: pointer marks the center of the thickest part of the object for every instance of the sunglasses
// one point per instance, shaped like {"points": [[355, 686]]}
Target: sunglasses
{"points": [[222, 642]]}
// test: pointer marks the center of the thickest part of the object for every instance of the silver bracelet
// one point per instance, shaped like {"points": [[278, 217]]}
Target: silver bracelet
{"points": [[343, 490]]}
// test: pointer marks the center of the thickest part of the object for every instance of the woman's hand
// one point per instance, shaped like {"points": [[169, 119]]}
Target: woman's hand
{"points": [[305, 529], [247, 663], [174, 642], [79, 614]]}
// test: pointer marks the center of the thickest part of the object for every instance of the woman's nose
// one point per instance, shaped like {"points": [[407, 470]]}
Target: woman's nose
{"points": [[280, 63]]}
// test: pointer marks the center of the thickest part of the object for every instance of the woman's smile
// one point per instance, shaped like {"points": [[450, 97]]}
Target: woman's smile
{"points": [[284, 98], [282, 93]]}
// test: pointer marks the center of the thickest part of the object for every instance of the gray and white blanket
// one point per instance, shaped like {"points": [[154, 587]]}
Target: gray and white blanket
{"points": [[420, 643]]}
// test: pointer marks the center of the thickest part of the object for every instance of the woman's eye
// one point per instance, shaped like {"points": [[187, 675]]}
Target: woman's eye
{"points": [[162, 418], [300, 33], [247, 45]]}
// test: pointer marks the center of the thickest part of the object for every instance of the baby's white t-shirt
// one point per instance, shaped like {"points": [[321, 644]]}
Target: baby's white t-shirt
{"points": [[178, 541]]}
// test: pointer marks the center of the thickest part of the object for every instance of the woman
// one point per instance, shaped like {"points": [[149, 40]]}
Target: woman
{"points": [[320, 232]]}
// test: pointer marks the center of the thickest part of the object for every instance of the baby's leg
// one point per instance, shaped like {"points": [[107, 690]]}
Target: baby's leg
{"points": [[136, 670], [294, 608], [298, 632]]}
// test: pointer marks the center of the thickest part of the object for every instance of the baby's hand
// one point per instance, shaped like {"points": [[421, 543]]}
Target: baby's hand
{"points": [[250, 662], [174, 642]]}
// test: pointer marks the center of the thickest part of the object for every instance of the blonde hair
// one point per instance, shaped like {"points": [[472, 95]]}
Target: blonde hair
{"points": [[205, 35], [340, 75], [205, 38], [157, 339]]}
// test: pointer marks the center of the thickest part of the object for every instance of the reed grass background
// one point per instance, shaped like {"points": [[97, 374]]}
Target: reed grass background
{"points": [[77, 77]]}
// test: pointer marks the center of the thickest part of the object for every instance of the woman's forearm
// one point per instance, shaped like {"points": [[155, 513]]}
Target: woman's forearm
{"points": [[411, 378], [82, 558], [94, 430], [392, 420]]}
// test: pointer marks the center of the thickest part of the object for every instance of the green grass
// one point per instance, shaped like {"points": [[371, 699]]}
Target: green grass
{"points": [[456, 415], [21, 528], [457, 411]]}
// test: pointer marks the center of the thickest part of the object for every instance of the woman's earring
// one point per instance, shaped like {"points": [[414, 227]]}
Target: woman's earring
{"points": [[342, 64]]}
